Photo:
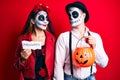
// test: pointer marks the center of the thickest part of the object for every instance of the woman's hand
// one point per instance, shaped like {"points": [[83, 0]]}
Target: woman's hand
{"points": [[26, 53]]}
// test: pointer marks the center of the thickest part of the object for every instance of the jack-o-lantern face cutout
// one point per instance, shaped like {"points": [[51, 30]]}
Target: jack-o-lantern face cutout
{"points": [[83, 57]]}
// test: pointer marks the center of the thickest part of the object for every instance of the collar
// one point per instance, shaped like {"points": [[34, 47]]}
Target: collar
{"points": [[76, 33]]}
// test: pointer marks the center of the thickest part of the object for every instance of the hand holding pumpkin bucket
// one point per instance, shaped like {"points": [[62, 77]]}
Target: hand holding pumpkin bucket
{"points": [[83, 57]]}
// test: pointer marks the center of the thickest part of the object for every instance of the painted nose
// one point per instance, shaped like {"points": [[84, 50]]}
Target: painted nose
{"points": [[46, 22]]}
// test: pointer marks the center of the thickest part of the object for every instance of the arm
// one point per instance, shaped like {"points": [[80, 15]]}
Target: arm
{"points": [[101, 56], [19, 62], [59, 59]]}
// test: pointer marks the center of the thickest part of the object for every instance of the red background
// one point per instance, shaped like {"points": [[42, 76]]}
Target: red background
{"points": [[104, 19]]}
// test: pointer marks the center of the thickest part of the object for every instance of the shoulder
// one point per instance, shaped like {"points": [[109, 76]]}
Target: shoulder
{"points": [[25, 37], [49, 35], [95, 34], [64, 35]]}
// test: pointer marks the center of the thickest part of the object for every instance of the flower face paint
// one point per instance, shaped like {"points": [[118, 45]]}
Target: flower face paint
{"points": [[41, 20], [75, 15]]}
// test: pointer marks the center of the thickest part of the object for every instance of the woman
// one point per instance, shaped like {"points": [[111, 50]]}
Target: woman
{"points": [[36, 64]]}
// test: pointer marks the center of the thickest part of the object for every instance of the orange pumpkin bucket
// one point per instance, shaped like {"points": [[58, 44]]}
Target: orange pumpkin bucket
{"points": [[83, 57]]}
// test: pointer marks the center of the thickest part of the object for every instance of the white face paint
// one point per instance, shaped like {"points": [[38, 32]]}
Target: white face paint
{"points": [[41, 20], [75, 15]]}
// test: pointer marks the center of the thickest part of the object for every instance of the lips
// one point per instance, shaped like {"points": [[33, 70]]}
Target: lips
{"points": [[44, 25]]}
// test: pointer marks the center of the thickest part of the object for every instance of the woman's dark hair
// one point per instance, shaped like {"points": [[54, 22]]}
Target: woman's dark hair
{"points": [[27, 26]]}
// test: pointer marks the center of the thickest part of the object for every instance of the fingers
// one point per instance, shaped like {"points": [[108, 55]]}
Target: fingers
{"points": [[26, 53], [90, 40]]}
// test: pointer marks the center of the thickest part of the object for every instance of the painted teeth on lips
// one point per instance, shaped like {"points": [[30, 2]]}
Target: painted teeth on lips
{"points": [[75, 21]]}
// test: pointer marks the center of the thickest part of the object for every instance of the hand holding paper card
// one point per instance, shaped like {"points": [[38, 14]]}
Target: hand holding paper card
{"points": [[31, 45], [25, 53]]}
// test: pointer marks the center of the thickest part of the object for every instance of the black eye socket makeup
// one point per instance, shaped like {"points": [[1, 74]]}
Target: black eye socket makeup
{"points": [[75, 14], [41, 18]]}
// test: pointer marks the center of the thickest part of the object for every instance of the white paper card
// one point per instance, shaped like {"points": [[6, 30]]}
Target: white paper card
{"points": [[31, 45]]}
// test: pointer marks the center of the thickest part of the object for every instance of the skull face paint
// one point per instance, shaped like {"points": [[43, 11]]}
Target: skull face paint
{"points": [[75, 15], [41, 20]]}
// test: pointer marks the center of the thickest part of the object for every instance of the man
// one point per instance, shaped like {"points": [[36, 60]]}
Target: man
{"points": [[81, 36]]}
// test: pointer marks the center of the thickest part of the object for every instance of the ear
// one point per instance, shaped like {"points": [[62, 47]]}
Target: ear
{"points": [[84, 15], [32, 21]]}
